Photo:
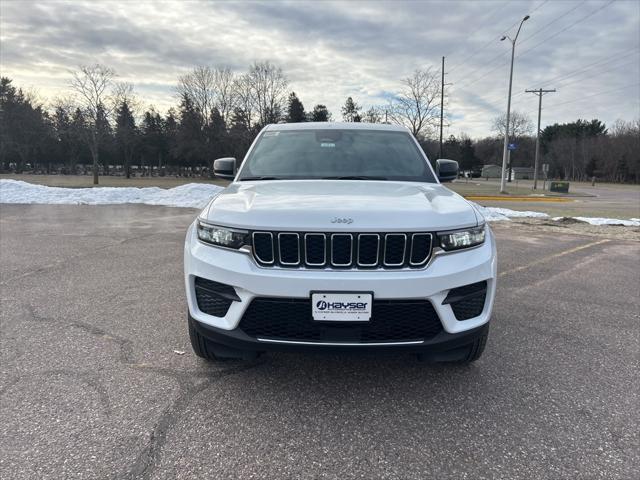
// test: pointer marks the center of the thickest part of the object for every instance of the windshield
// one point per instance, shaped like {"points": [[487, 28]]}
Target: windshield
{"points": [[336, 154]]}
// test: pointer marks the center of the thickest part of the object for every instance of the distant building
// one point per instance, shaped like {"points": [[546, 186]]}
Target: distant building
{"points": [[491, 171], [521, 173], [517, 173]]}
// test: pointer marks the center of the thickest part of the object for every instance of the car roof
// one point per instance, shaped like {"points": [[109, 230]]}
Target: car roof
{"points": [[335, 126]]}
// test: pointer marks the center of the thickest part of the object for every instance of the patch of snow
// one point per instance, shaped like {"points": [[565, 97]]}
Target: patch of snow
{"points": [[197, 195], [497, 214], [191, 195], [634, 222]]}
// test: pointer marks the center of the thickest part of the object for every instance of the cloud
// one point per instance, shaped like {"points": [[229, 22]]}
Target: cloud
{"points": [[331, 50]]}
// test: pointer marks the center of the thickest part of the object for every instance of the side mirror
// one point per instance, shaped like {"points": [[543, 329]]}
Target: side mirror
{"points": [[225, 168], [447, 170]]}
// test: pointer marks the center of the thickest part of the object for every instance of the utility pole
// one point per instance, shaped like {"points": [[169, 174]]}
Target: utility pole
{"points": [[540, 92], [441, 106]]}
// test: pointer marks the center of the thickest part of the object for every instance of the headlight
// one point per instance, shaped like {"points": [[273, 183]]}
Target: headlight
{"points": [[222, 236], [462, 238]]}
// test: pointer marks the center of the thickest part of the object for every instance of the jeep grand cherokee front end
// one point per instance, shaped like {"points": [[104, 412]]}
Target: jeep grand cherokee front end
{"points": [[338, 236]]}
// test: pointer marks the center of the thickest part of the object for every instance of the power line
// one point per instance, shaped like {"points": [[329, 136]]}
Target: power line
{"points": [[482, 25], [598, 64], [567, 27], [582, 19], [492, 40], [553, 21], [553, 105]]}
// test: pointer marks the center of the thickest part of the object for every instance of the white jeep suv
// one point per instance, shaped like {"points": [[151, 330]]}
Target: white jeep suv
{"points": [[337, 236]]}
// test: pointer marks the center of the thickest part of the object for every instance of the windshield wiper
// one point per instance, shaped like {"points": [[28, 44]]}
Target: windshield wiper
{"points": [[260, 178], [354, 177]]}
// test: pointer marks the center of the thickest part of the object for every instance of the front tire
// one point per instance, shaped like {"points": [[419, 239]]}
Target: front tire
{"points": [[459, 356], [214, 352], [477, 348]]}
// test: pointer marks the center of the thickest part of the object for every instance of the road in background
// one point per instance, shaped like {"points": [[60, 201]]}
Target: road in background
{"points": [[93, 312], [602, 200]]}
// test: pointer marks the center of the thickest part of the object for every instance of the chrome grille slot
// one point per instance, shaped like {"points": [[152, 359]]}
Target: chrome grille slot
{"points": [[315, 249], [394, 249], [289, 248], [263, 247], [341, 249], [367, 250], [420, 249]]}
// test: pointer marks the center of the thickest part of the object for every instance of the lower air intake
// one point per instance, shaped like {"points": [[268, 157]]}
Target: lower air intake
{"points": [[291, 319]]}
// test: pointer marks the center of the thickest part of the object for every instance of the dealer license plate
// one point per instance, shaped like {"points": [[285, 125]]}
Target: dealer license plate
{"points": [[341, 307]]}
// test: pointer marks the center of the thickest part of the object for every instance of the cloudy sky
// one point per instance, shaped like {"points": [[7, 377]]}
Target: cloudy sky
{"points": [[588, 50]]}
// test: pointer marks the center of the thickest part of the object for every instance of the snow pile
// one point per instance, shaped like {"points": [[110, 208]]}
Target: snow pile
{"points": [[497, 214], [633, 222], [192, 195], [197, 195]]}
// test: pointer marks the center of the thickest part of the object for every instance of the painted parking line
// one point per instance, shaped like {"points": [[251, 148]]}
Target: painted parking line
{"points": [[552, 257]]}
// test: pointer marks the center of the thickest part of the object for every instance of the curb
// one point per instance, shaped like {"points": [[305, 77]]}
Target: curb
{"points": [[517, 198]]}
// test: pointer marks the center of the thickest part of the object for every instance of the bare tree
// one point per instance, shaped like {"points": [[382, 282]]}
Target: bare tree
{"points": [[199, 86], [268, 87], [374, 115], [209, 88], [225, 99], [520, 125], [244, 98], [123, 92], [417, 104], [92, 85]]}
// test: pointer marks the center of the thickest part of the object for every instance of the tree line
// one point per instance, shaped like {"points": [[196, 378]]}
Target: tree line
{"points": [[101, 127]]}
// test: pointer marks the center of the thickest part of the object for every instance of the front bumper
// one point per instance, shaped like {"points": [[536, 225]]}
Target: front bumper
{"points": [[238, 269], [443, 346]]}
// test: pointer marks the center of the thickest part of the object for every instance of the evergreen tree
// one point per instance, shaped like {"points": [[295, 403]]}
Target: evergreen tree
{"points": [[189, 147], [126, 136], [216, 134], [351, 111], [468, 159], [105, 144], [153, 143], [240, 135], [24, 128], [320, 114], [295, 109]]}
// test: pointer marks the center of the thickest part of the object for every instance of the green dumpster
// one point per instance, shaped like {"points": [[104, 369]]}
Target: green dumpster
{"points": [[559, 187]]}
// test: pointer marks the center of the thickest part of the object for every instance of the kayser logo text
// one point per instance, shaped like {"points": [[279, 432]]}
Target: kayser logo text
{"points": [[323, 305]]}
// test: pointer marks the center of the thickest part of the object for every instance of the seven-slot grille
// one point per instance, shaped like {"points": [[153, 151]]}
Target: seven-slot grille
{"points": [[342, 250]]}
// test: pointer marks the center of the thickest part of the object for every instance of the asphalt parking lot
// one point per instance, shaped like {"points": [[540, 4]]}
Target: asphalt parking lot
{"points": [[92, 310]]}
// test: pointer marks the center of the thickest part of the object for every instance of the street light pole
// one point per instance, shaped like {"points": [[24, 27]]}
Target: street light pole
{"points": [[506, 128]]}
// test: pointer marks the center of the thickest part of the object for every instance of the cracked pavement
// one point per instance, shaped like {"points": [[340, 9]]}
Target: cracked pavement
{"points": [[92, 308]]}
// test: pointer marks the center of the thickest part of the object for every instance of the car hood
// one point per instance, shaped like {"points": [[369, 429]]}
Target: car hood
{"points": [[340, 205]]}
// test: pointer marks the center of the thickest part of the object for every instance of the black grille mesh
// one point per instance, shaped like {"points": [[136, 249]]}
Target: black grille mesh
{"points": [[315, 249], [469, 308], [467, 301], [394, 249], [420, 248], [291, 319], [209, 299], [341, 249], [289, 248], [368, 249], [263, 246]]}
